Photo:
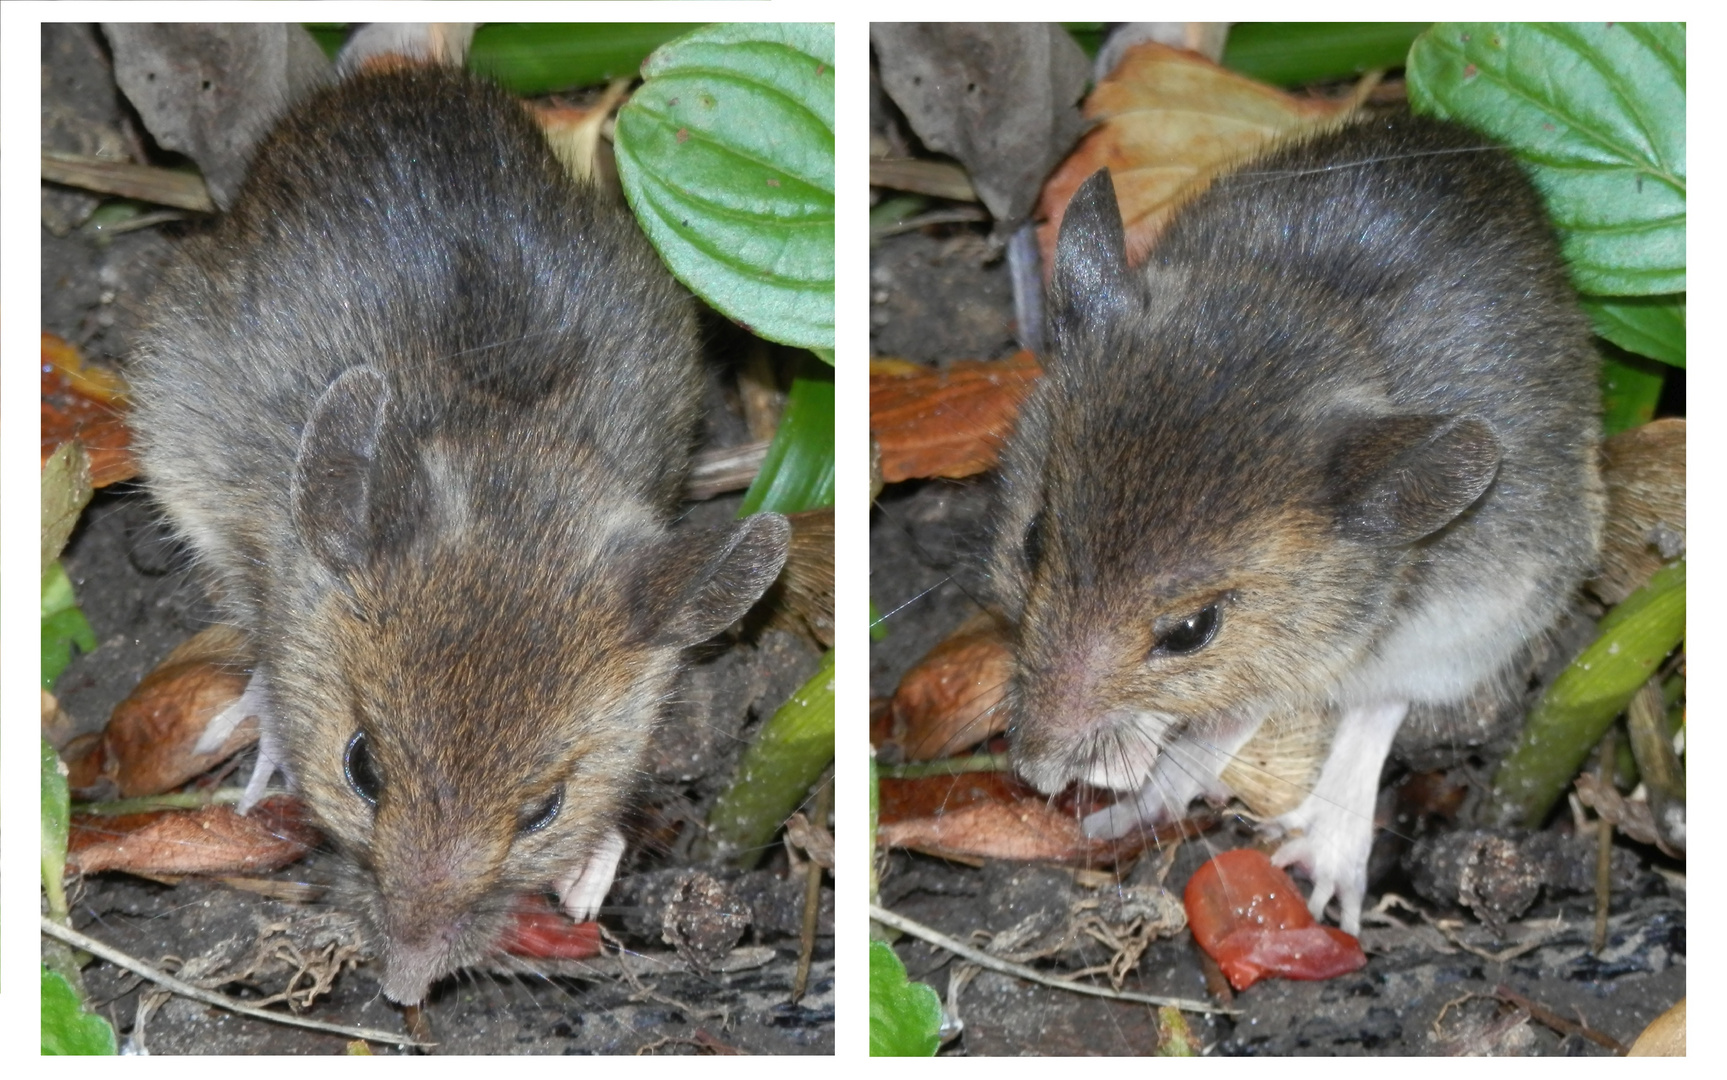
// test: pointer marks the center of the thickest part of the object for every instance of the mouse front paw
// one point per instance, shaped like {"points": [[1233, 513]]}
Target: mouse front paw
{"points": [[584, 889], [1330, 849]]}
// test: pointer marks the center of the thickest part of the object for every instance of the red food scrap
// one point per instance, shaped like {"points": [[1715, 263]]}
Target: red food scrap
{"points": [[1249, 917]]}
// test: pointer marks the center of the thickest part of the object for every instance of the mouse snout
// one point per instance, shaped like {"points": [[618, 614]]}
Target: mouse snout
{"points": [[1071, 725], [428, 893]]}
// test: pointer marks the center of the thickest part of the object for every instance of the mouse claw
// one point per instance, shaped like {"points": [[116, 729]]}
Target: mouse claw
{"points": [[584, 889], [271, 757]]}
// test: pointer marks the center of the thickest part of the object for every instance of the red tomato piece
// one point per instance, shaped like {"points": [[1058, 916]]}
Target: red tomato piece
{"points": [[1249, 917], [539, 931]]}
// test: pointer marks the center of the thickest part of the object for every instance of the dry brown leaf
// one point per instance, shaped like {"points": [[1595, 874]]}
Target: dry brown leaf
{"points": [[213, 840], [1024, 829], [1168, 121], [86, 403], [951, 700], [1644, 470], [1665, 1035], [148, 747], [950, 422]]}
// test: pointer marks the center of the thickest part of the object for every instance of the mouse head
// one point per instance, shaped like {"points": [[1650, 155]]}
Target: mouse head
{"points": [[1186, 541], [466, 696]]}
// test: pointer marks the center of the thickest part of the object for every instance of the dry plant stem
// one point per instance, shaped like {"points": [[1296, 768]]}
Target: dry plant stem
{"points": [[1556, 1022], [916, 770], [812, 898], [1604, 844], [163, 186], [168, 982], [1020, 971]]}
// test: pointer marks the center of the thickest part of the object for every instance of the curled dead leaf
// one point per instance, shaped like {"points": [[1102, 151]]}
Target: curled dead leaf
{"points": [[150, 743], [952, 699], [212, 840], [949, 422], [1166, 122], [1644, 469]]}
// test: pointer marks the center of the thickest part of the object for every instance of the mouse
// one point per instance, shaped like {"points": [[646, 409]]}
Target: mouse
{"points": [[1329, 452], [422, 407]]}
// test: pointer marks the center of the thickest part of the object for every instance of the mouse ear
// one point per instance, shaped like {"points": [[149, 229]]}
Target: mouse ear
{"points": [[331, 496], [1396, 479], [703, 583], [1090, 278]]}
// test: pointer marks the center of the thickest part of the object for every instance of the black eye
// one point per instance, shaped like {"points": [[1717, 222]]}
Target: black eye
{"points": [[1190, 634], [1034, 541], [544, 814], [358, 768]]}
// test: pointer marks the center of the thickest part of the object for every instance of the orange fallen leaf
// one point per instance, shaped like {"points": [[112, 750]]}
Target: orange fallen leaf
{"points": [[950, 422], [213, 840], [1168, 121], [149, 745], [86, 403], [952, 699]]}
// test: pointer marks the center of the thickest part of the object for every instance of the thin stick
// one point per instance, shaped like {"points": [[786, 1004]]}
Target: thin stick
{"points": [[1020, 971], [209, 997]]}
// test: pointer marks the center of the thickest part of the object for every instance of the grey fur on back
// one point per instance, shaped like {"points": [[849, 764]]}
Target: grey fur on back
{"points": [[465, 267]]}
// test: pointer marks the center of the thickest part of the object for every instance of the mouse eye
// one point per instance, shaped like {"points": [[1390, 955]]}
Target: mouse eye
{"points": [[1033, 544], [357, 767], [544, 814], [1190, 634]]}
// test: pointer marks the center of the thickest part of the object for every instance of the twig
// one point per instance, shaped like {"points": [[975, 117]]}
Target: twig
{"points": [[1020, 971], [210, 997], [1556, 1022]]}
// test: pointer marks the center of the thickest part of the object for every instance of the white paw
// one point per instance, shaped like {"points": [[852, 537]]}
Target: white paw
{"points": [[1331, 852], [584, 889]]}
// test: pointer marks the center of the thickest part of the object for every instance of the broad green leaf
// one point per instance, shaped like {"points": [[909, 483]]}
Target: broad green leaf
{"points": [[1597, 113], [726, 154], [1630, 390], [66, 1027], [798, 472], [1294, 54], [777, 771], [1634, 638], [1652, 326], [63, 625], [904, 1017], [537, 58]]}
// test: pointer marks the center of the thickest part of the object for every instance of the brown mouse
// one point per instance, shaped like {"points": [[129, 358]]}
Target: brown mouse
{"points": [[1330, 452], [423, 407]]}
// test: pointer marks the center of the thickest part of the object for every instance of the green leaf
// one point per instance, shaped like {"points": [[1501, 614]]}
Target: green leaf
{"points": [[1630, 390], [798, 472], [66, 1027], [56, 827], [1294, 54], [1635, 637], [726, 154], [63, 625], [1652, 326], [904, 1017], [537, 58], [787, 757], [1597, 113]]}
